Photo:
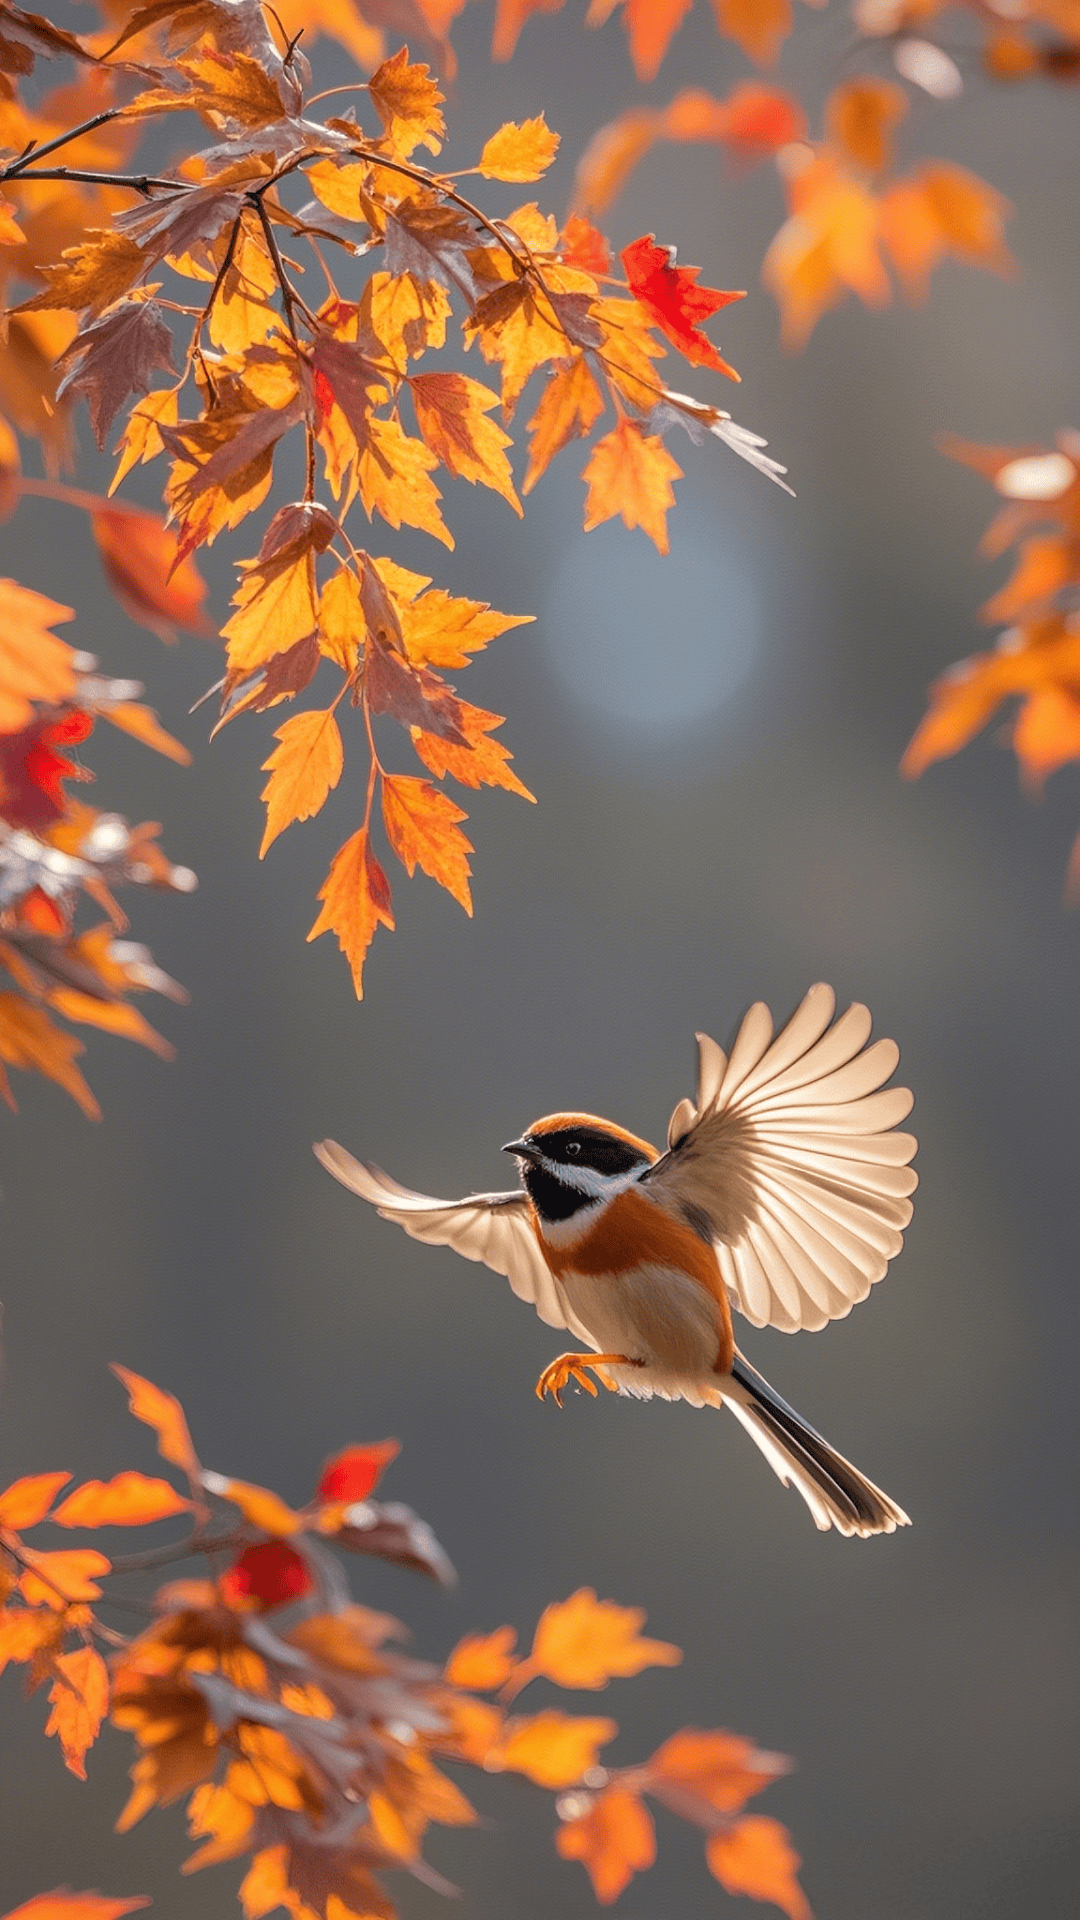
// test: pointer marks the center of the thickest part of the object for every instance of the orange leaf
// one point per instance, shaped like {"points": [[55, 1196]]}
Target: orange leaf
{"points": [[34, 664], [139, 555], [29, 1039], [649, 26], [630, 475], [356, 900], [26, 1631], [142, 723], [111, 1016], [482, 1661], [422, 827], [1045, 566], [64, 1905], [519, 152], [554, 1749], [569, 408], [79, 1701], [585, 1642], [942, 209], [302, 769], [759, 26], [441, 631], [723, 1768], [259, 1505], [165, 1414], [450, 412], [128, 1500], [961, 703], [408, 102], [611, 156], [27, 1501], [510, 17], [860, 118], [1046, 734], [614, 1840], [756, 1857], [51, 1579]]}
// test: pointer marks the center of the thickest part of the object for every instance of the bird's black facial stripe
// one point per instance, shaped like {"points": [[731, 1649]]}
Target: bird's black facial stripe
{"points": [[590, 1147], [551, 1197]]}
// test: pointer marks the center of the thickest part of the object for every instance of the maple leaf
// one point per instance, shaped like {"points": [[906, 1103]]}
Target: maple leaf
{"points": [[353, 1474], [938, 210], [356, 900], [755, 1857], [141, 440], [92, 275], [482, 763], [482, 1661], [860, 118], [270, 1574], [79, 1701], [394, 476], [32, 772], [510, 17], [829, 246], [759, 26], [582, 245], [228, 88], [614, 1839], [450, 412], [722, 1769], [154, 585], [260, 1506], [585, 1642], [408, 103], [422, 827], [27, 1501], [630, 474], [30, 1634], [569, 408], [519, 153], [65, 1905], [426, 238], [674, 301], [29, 1039], [128, 1500], [303, 768], [115, 356], [163, 1412], [54, 1579], [553, 1749], [34, 664]]}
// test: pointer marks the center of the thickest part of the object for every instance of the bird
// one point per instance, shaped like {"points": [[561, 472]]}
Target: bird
{"points": [[782, 1193]]}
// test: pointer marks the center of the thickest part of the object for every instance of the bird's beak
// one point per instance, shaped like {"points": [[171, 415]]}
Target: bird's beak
{"points": [[524, 1149]]}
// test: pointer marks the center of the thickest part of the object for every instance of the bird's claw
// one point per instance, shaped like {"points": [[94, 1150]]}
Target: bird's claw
{"points": [[571, 1366]]}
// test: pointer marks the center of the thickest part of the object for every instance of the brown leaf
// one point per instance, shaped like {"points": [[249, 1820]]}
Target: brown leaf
{"points": [[356, 900], [113, 357], [422, 827], [432, 241], [303, 768]]}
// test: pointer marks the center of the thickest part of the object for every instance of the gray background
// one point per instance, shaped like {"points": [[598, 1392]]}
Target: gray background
{"points": [[927, 1683]]}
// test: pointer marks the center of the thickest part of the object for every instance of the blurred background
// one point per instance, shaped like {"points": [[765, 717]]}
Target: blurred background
{"points": [[713, 741]]}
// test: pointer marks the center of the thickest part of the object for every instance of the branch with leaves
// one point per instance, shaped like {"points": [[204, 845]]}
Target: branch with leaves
{"points": [[306, 1744]]}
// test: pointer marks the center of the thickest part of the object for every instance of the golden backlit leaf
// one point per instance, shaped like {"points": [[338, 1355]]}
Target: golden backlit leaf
{"points": [[304, 766], [756, 1857], [26, 1632], [629, 474], [394, 476], [482, 1661], [723, 1768], [64, 1905], [52, 1579], [451, 414], [259, 1505], [142, 723], [276, 607], [554, 1749], [519, 153], [141, 440], [111, 1016], [422, 827], [80, 1700], [356, 900], [92, 275], [29, 1039], [585, 1642], [128, 1500], [613, 1840], [34, 664], [861, 117], [442, 631], [165, 1414], [408, 103], [27, 1501], [759, 26], [570, 405]]}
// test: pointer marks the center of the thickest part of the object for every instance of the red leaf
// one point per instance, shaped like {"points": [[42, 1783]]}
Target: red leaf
{"points": [[673, 300], [270, 1574], [351, 1475], [31, 771]]}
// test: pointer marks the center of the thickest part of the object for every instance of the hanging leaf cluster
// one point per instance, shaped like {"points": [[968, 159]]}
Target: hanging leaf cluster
{"points": [[298, 279], [305, 1743], [1034, 669]]}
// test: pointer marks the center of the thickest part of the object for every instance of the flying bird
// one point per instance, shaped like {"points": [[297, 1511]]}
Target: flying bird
{"points": [[782, 1193]]}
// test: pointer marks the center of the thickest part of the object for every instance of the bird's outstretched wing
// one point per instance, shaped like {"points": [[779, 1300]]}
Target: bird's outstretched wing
{"points": [[493, 1227], [789, 1162]]}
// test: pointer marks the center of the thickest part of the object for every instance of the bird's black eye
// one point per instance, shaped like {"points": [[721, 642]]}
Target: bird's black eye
{"points": [[573, 1148]]}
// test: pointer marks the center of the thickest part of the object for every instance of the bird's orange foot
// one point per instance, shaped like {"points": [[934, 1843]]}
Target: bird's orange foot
{"points": [[570, 1366]]}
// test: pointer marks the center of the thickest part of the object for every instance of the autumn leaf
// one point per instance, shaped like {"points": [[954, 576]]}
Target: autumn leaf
{"points": [[721, 1768], [553, 1749], [585, 1642], [510, 17], [64, 1905], [143, 566], [614, 1839], [650, 25], [79, 1701], [759, 26], [440, 630], [755, 1857], [422, 827], [353, 1474], [113, 357], [27, 1632], [482, 1661], [165, 1414], [356, 900], [629, 473], [52, 1579], [34, 664], [408, 104], [103, 267], [128, 1500], [29, 1039], [270, 1574], [259, 1505], [860, 118], [142, 724], [27, 1501], [519, 153], [303, 768], [450, 412], [569, 408]]}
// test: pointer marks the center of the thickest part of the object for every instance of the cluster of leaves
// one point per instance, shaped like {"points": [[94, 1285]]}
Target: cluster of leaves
{"points": [[306, 1743], [1036, 661], [841, 210], [208, 254]]}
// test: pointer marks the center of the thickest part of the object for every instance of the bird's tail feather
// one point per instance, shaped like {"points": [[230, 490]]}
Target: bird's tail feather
{"points": [[837, 1494]]}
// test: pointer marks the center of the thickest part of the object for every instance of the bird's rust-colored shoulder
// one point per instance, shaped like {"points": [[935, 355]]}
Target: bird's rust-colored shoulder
{"points": [[559, 1122]]}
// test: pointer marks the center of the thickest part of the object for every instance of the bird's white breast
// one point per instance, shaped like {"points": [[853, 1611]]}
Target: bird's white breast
{"points": [[660, 1317]]}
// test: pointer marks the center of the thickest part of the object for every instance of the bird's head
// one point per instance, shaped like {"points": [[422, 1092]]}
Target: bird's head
{"points": [[572, 1160]]}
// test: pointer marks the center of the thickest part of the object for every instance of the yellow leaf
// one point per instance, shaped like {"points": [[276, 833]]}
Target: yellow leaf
{"points": [[860, 117], [356, 900], [421, 825], [441, 631], [408, 102], [519, 152], [585, 1642], [393, 473], [569, 408], [302, 768], [34, 664], [630, 475], [450, 412], [141, 439], [276, 608], [554, 1749], [79, 1701]]}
